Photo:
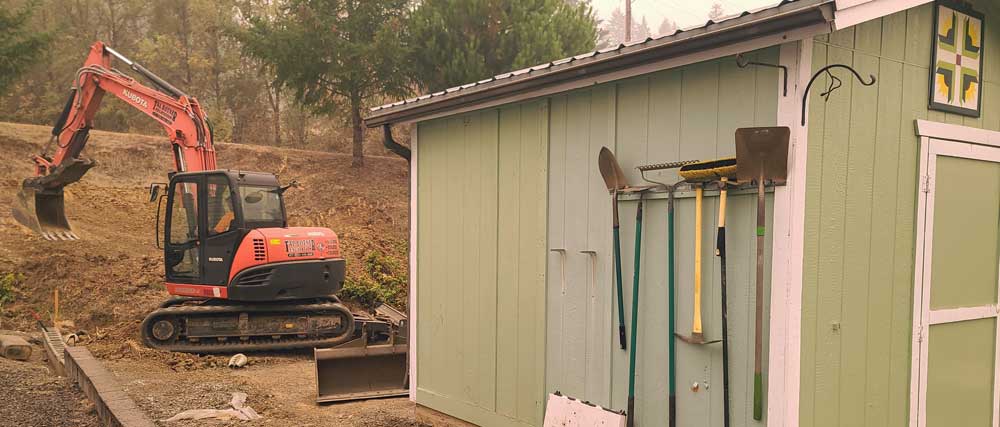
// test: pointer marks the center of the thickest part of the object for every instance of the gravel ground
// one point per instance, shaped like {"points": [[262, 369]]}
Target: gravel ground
{"points": [[280, 388], [31, 396]]}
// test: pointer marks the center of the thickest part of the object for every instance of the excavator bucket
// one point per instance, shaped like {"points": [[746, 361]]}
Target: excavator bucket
{"points": [[371, 366], [40, 203]]}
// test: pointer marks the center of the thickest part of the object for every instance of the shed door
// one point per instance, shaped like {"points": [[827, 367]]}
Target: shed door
{"points": [[956, 338]]}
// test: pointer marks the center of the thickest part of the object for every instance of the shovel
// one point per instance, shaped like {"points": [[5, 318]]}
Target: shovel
{"points": [[614, 179], [762, 154]]}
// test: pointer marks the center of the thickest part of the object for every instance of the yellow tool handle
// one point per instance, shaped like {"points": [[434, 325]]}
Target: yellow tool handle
{"points": [[696, 326], [722, 217], [722, 202]]}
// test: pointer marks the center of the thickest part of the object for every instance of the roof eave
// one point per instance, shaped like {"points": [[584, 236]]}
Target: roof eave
{"points": [[768, 22]]}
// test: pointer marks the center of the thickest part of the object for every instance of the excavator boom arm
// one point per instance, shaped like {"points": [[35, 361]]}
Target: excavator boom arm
{"points": [[40, 203], [181, 116]]}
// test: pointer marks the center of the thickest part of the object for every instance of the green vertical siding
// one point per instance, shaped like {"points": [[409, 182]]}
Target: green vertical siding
{"points": [[860, 210], [687, 113], [481, 189]]}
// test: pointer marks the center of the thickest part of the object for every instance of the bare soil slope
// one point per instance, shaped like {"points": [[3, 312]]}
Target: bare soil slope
{"points": [[113, 276]]}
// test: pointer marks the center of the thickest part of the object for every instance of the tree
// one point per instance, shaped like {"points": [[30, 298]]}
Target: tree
{"points": [[461, 41], [716, 12], [19, 47], [667, 27], [616, 26], [335, 55]]}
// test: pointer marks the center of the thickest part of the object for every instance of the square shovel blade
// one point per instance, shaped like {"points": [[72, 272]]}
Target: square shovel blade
{"points": [[762, 152]]}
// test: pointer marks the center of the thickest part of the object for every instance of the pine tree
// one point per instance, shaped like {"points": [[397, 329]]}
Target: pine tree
{"points": [[716, 12], [461, 41], [616, 27], [641, 31], [335, 55], [19, 47], [667, 27]]}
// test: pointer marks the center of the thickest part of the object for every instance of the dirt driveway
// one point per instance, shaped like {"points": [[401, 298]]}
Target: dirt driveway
{"points": [[281, 388]]}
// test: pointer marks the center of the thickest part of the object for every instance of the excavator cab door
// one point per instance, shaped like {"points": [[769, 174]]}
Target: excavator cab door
{"points": [[224, 228], [203, 229], [184, 230]]}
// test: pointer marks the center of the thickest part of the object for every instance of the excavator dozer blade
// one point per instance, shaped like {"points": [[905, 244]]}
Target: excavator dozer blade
{"points": [[40, 203], [372, 366]]}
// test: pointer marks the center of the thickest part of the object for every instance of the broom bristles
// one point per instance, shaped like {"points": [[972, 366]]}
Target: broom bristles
{"points": [[709, 169]]}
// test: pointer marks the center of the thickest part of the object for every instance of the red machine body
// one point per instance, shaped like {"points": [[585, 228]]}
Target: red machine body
{"points": [[264, 246]]}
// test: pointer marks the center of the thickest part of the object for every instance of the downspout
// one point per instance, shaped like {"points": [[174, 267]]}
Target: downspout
{"points": [[391, 144]]}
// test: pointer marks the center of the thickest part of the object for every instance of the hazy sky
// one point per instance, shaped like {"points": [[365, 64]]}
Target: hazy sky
{"points": [[685, 12]]}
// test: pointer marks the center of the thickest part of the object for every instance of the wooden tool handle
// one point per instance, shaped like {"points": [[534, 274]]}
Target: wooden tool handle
{"points": [[720, 242], [696, 326]]}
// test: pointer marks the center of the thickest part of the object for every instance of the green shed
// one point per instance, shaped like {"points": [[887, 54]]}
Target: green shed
{"points": [[882, 253]]}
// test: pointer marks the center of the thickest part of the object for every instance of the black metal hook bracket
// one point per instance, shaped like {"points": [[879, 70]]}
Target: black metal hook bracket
{"points": [[743, 62], [835, 83]]}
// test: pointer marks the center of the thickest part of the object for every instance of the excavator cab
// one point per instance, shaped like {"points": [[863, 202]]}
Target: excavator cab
{"points": [[208, 215]]}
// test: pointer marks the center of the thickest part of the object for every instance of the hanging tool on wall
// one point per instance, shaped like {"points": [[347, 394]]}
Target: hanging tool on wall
{"points": [[671, 304], [762, 154], [630, 412], [615, 180], [720, 251], [698, 174], [701, 173]]}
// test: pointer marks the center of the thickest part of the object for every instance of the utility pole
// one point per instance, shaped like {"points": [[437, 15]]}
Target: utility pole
{"points": [[628, 21]]}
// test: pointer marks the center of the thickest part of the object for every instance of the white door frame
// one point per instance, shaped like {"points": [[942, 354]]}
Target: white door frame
{"points": [[939, 139]]}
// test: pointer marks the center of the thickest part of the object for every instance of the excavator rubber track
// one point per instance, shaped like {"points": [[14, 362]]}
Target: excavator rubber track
{"points": [[208, 326]]}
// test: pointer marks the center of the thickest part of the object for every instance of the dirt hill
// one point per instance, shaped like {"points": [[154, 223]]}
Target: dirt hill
{"points": [[112, 277]]}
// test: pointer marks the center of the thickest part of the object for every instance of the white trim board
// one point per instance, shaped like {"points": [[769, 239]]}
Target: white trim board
{"points": [[853, 12], [412, 339], [923, 315], [949, 132], [785, 317]]}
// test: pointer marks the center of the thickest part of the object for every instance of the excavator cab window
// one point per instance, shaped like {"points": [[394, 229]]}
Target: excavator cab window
{"points": [[262, 205], [182, 254], [221, 215]]}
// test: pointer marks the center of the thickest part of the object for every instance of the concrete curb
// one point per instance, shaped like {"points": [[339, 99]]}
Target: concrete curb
{"points": [[114, 407], [55, 350]]}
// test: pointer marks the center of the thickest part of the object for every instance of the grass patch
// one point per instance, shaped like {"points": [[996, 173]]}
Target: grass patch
{"points": [[8, 285]]}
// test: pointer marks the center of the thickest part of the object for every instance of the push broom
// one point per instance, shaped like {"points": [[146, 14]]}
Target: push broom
{"points": [[698, 174]]}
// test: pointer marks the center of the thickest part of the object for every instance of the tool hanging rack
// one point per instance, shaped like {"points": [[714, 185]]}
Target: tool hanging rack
{"points": [[683, 190]]}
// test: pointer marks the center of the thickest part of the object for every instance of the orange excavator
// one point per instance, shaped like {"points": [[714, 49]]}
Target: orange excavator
{"points": [[240, 277]]}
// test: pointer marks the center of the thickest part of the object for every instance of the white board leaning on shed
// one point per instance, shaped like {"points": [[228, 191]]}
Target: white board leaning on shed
{"points": [[562, 411]]}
